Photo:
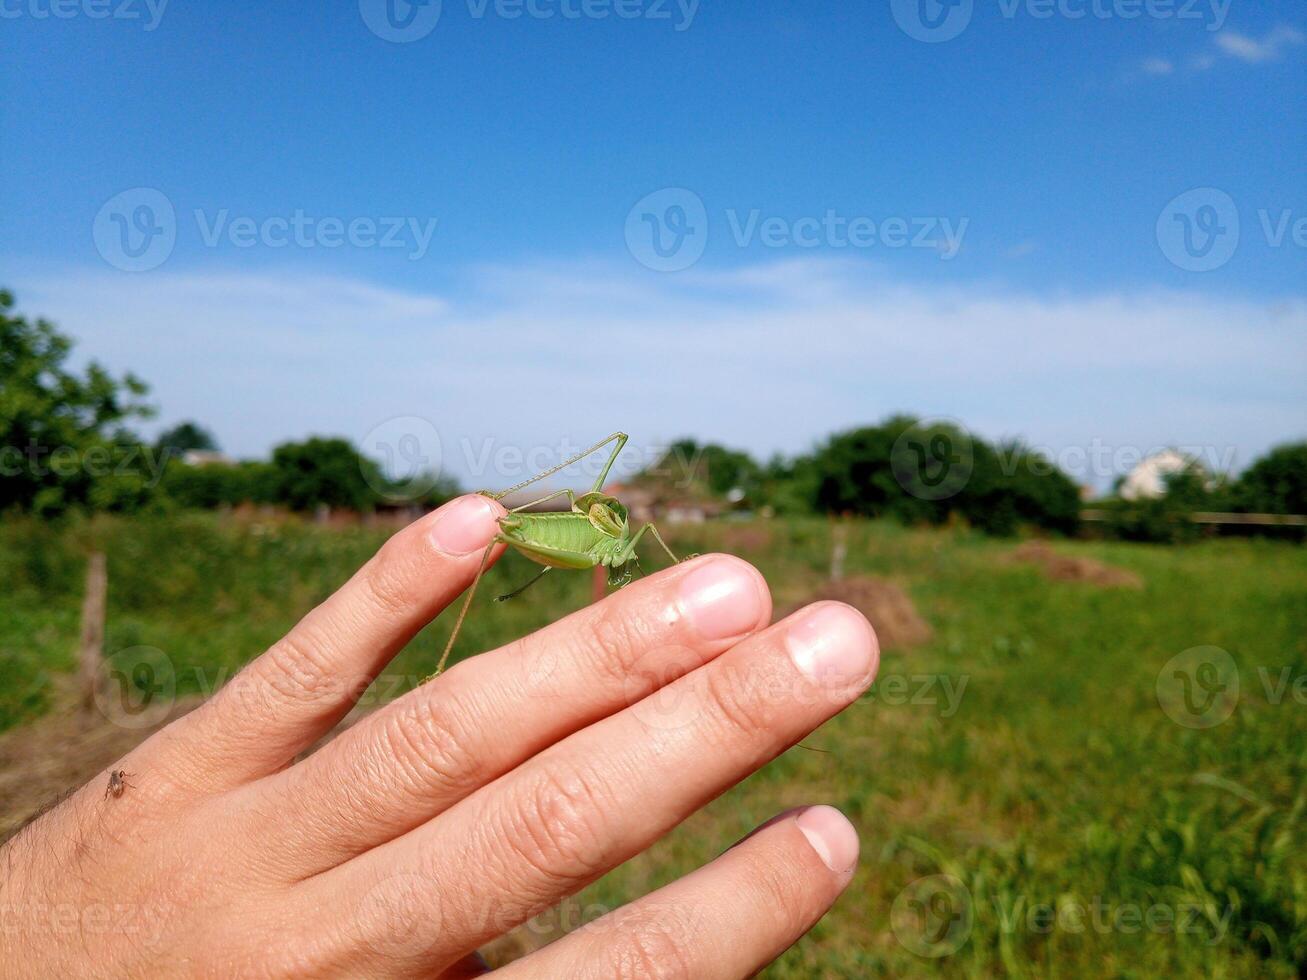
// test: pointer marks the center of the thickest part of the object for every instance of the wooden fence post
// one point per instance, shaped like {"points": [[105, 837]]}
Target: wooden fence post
{"points": [[839, 548], [91, 653]]}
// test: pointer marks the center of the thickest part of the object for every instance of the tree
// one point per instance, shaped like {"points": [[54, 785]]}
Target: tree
{"points": [[707, 468], [64, 439], [1276, 483], [328, 472], [183, 437], [926, 473]]}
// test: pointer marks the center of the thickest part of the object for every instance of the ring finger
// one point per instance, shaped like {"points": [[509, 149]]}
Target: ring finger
{"points": [[604, 794]]}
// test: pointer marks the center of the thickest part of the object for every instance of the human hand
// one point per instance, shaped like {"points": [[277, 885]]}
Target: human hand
{"points": [[463, 808]]}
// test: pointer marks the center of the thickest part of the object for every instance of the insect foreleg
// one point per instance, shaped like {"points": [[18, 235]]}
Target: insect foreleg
{"points": [[635, 540], [522, 588]]}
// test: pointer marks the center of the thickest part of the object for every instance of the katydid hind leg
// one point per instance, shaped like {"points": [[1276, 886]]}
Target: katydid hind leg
{"points": [[571, 500], [522, 588], [620, 438]]}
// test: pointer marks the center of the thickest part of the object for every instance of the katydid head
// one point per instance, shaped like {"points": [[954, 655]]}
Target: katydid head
{"points": [[607, 514]]}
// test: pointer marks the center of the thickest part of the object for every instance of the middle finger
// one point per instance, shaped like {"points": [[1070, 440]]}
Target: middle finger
{"points": [[415, 758]]}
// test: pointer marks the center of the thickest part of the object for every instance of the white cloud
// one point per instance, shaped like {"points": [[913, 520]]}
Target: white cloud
{"points": [[1231, 44], [768, 357], [1251, 50]]}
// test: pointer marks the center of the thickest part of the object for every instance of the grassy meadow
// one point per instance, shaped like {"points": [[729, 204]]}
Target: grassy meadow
{"points": [[1027, 806]]}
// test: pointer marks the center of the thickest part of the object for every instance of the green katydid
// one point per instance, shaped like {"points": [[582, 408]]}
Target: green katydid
{"points": [[595, 532]]}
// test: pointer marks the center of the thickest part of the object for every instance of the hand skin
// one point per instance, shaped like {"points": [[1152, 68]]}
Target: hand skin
{"points": [[463, 808]]}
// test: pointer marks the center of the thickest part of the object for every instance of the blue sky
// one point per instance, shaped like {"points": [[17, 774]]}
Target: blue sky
{"points": [[988, 226]]}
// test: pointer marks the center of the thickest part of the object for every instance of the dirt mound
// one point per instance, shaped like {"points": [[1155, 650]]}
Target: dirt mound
{"points": [[1064, 568], [897, 622]]}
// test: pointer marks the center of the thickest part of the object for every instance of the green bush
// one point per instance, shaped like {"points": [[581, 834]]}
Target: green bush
{"points": [[929, 474], [1275, 484]]}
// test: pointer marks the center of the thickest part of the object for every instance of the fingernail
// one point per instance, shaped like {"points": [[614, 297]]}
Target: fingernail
{"points": [[833, 645], [721, 598], [465, 525], [831, 836]]}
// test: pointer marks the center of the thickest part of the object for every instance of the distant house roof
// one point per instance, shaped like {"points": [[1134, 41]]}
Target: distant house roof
{"points": [[206, 457], [1148, 479]]}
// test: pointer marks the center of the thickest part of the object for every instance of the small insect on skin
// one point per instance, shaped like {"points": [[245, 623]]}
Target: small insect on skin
{"points": [[117, 783]]}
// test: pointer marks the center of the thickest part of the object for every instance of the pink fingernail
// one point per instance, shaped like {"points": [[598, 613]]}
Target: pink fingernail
{"points": [[722, 597], [831, 836], [833, 645], [465, 525]]}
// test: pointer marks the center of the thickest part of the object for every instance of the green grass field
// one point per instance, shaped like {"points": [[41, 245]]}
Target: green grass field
{"points": [[1057, 821]]}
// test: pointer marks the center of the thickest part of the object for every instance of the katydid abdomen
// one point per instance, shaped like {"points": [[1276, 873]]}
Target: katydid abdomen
{"points": [[562, 540]]}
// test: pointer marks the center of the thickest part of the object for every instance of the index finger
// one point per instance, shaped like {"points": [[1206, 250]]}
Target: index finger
{"points": [[306, 682]]}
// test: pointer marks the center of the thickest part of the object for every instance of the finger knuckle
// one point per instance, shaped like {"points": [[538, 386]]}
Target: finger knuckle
{"points": [[559, 824], [735, 705], [389, 578], [430, 744], [611, 640], [778, 889], [294, 670], [649, 952]]}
